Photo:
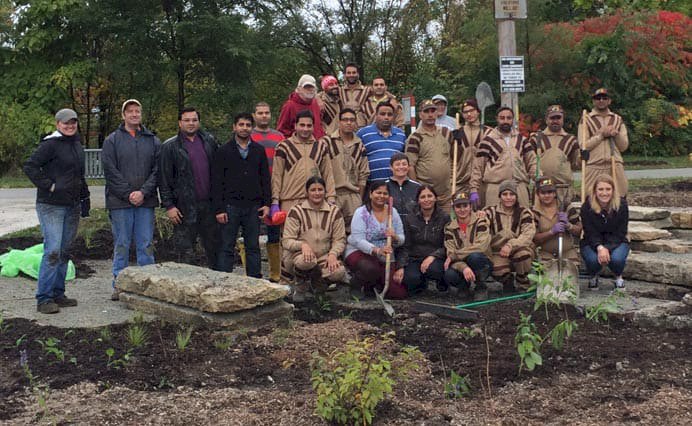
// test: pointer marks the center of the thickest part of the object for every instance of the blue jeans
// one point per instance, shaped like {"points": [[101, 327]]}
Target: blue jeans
{"points": [[59, 227], [618, 257], [415, 281], [479, 264], [245, 217], [126, 223]]}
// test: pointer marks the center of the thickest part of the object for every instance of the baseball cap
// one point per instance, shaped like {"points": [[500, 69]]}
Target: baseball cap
{"points": [[128, 102], [426, 104], [307, 80], [462, 198], [65, 115]]}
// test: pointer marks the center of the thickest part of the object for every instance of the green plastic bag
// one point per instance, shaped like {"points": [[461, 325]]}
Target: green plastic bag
{"points": [[27, 261]]}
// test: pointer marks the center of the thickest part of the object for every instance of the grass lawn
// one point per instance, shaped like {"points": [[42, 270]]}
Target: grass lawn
{"points": [[638, 162]]}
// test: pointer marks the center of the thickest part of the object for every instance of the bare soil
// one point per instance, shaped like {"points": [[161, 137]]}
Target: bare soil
{"points": [[606, 371]]}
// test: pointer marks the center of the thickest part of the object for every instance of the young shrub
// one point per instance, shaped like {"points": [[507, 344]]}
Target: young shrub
{"points": [[351, 382], [457, 386]]}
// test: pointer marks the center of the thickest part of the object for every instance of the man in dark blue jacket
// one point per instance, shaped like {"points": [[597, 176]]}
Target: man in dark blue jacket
{"points": [[185, 188], [130, 158], [241, 193], [57, 170]]}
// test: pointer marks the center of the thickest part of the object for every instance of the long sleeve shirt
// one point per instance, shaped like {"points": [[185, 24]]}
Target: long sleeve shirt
{"points": [[368, 233]]}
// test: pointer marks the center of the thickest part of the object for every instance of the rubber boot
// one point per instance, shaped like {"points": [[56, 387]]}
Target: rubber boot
{"points": [[274, 257], [241, 251]]}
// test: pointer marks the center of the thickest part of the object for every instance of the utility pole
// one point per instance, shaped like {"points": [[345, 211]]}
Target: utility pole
{"points": [[511, 66]]}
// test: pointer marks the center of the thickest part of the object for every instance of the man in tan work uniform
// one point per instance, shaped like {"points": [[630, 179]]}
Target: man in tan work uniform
{"points": [[379, 94], [353, 93], [296, 159], [558, 153], [606, 138], [467, 138], [503, 154], [511, 238], [428, 150], [551, 220], [330, 104], [349, 165], [313, 241]]}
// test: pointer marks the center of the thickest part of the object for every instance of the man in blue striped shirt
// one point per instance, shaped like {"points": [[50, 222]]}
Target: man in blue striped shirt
{"points": [[381, 141]]}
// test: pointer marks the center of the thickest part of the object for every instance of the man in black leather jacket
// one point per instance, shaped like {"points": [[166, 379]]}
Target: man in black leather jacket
{"points": [[184, 187]]}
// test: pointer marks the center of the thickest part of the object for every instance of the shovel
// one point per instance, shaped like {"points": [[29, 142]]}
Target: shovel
{"points": [[387, 265], [484, 96]]}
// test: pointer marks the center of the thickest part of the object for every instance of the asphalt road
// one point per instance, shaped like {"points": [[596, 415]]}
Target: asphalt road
{"points": [[17, 206]]}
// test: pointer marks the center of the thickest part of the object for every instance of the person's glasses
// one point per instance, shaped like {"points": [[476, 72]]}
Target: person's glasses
{"points": [[349, 120], [600, 97], [555, 117], [468, 111]]}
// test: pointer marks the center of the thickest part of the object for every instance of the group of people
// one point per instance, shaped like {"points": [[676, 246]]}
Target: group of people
{"points": [[340, 186]]}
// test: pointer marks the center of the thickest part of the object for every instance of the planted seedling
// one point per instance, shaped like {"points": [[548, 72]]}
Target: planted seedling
{"points": [[182, 338]]}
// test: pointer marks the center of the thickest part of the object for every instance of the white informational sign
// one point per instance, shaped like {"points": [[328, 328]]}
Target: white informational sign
{"points": [[510, 9], [512, 74]]}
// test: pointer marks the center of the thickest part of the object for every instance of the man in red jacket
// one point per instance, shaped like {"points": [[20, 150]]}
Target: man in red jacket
{"points": [[303, 98]]}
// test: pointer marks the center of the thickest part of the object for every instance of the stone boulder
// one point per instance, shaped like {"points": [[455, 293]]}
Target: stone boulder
{"points": [[682, 219], [667, 268], [199, 288], [647, 213], [641, 231], [671, 246]]}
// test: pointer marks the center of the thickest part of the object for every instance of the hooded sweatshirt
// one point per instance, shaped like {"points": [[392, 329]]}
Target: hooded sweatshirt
{"points": [[295, 104]]}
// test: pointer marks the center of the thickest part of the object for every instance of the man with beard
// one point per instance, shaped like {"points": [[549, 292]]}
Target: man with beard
{"points": [[353, 93], [503, 154], [349, 165], [428, 152], [558, 153], [381, 141], [606, 139], [184, 186], [443, 119], [467, 138], [330, 104], [240, 195], [302, 99], [380, 94]]}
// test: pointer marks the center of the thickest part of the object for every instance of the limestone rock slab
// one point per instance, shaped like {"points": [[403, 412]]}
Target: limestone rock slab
{"points": [[641, 231], [667, 268], [682, 219], [671, 246], [647, 213], [274, 314], [199, 288]]}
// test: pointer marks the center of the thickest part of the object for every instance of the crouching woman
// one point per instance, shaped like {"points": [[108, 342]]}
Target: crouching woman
{"points": [[604, 216], [467, 240], [314, 237], [367, 245], [512, 229]]}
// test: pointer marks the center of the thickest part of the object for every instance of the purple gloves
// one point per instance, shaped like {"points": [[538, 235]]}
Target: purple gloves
{"points": [[558, 228], [562, 217], [273, 209], [474, 199]]}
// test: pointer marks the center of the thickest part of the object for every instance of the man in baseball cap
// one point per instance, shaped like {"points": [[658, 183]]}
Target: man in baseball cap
{"points": [[301, 99]]}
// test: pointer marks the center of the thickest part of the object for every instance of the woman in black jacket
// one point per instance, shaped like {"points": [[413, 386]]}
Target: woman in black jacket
{"points": [[57, 169], [423, 254], [604, 216]]}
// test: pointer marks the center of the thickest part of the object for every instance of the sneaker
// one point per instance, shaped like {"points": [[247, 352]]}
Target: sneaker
{"points": [[619, 283], [48, 308], [116, 295], [65, 302], [593, 283]]}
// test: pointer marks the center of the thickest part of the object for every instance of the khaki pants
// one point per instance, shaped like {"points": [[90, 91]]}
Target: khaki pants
{"points": [[294, 261], [593, 171], [519, 261], [348, 201]]}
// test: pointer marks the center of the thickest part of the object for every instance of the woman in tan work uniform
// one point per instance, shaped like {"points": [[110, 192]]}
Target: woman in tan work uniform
{"points": [[314, 238], [511, 238]]}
